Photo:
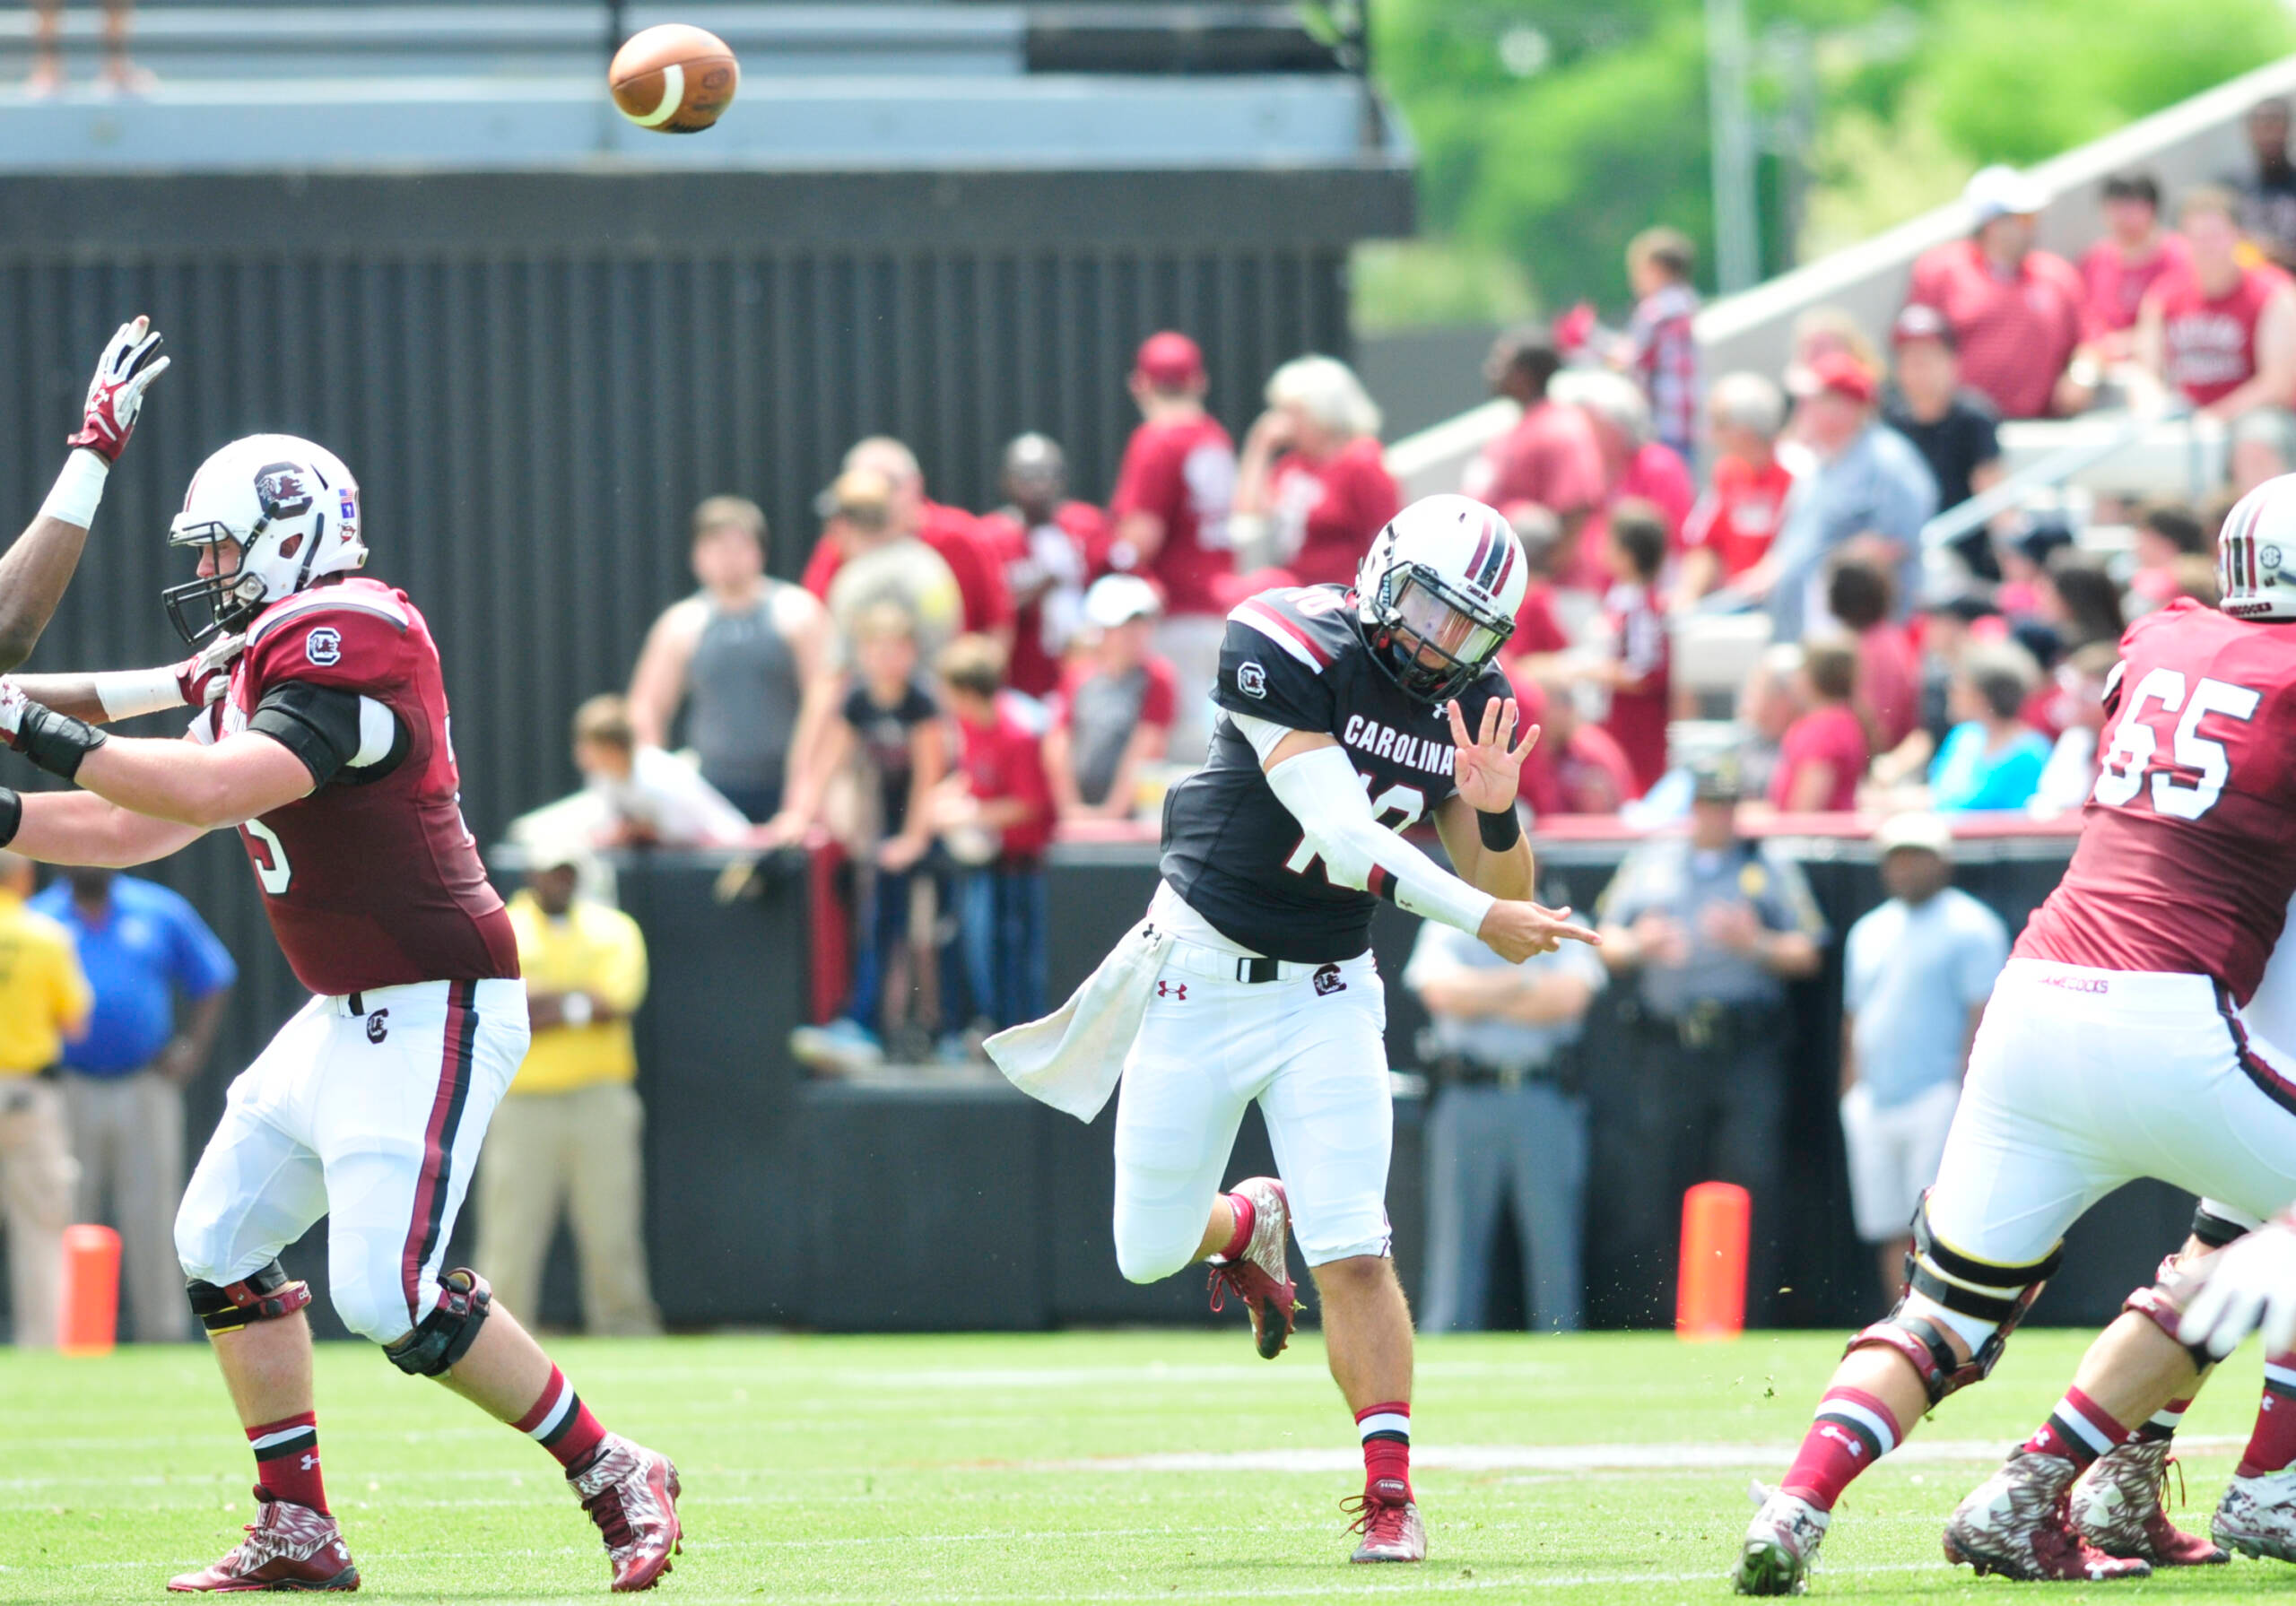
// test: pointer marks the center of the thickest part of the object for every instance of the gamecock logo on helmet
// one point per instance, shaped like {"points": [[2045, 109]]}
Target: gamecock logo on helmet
{"points": [[280, 488]]}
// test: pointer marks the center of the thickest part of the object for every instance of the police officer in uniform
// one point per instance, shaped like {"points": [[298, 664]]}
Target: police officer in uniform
{"points": [[1710, 928]]}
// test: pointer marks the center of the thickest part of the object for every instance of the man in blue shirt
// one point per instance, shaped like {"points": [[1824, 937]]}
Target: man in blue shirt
{"points": [[141, 945], [1915, 976]]}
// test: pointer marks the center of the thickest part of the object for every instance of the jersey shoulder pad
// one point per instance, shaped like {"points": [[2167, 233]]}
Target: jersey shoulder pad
{"points": [[335, 637], [1307, 623]]}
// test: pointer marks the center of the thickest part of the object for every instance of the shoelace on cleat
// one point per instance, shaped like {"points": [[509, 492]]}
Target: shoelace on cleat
{"points": [[606, 1510], [1375, 1519], [1225, 1281]]}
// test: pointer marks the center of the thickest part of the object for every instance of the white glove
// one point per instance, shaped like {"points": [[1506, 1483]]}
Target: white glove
{"points": [[2250, 1283], [204, 678], [116, 395], [12, 704]]}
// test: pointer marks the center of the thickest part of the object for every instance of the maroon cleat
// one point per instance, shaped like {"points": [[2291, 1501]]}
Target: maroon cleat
{"points": [[287, 1547], [1388, 1521], [631, 1494], [2120, 1507], [1260, 1277]]}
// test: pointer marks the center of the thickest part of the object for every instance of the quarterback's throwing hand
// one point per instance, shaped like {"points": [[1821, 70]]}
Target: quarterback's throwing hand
{"points": [[2249, 1284], [1490, 765], [129, 364], [1516, 931]]}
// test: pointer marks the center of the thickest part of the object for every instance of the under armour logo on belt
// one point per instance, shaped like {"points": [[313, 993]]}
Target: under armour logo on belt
{"points": [[377, 1031], [1327, 982], [1165, 989]]}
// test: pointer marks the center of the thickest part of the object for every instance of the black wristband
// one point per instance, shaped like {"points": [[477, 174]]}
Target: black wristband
{"points": [[54, 741], [1499, 831], [12, 814]]}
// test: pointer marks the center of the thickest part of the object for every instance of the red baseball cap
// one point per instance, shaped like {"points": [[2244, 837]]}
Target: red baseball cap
{"points": [[1169, 361], [1921, 321], [1837, 371]]}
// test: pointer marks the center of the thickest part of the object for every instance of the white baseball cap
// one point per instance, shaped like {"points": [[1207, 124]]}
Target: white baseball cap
{"points": [[1929, 832], [1118, 599], [2001, 191]]}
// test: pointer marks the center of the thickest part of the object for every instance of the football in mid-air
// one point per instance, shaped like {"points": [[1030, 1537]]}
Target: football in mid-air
{"points": [[673, 79]]}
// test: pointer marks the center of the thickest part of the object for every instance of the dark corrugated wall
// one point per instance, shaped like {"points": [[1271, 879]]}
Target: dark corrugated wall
{"points": [[536, 376]]}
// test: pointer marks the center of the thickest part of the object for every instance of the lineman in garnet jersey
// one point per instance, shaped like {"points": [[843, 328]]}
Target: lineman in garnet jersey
{"points": [[325, 744], [2112, 1048], [1345, 717]]}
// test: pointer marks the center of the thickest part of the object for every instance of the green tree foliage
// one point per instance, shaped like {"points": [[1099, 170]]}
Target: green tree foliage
{"points": [[1550, 131]]}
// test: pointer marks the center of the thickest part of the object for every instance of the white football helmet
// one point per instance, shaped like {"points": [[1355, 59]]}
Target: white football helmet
{"points": [[2255, 555], [292, 507], [1437, 594]]}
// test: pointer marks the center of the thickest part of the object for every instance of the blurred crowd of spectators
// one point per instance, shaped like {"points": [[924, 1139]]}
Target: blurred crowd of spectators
{"points": [[943, 692]]}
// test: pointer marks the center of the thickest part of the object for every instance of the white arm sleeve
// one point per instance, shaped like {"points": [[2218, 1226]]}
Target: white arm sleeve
{"points": [[1327, 796]]}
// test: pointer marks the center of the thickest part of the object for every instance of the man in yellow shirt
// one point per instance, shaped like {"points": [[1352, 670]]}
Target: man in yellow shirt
{"points": [[569, 1134], [44, 999]]}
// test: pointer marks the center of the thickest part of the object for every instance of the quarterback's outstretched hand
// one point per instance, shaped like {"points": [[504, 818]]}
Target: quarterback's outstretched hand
{"points": [[2249, 1284], [1515, 931], [1491, 764], [128, 366]]}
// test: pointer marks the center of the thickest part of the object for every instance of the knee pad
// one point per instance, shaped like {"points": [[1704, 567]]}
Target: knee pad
{"points": [[2163, 1304], [261, 1296], [1152, 1262], [445, 1336], [1941, 1280]]}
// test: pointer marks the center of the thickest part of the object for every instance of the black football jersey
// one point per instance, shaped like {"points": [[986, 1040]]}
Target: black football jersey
{"points": [[1296, 657]]}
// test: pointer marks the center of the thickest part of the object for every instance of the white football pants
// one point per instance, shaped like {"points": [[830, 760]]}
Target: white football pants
{"points": [[1313, 1052], [2083, 1080], [370, 1116]]}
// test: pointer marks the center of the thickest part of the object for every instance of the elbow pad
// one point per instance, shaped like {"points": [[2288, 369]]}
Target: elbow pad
{"points": [[1325, 795]]}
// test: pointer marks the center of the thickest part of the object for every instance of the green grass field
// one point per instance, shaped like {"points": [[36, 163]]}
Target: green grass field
{"points": [[1119, 1467]]}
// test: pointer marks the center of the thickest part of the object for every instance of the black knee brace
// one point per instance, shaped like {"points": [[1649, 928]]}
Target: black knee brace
{"points": [[445, 1336], [263, 1296], [1940, 1274]]}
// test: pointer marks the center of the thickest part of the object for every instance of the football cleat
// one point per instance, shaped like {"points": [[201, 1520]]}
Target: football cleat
{"points": [[631, 1494], [1780, 1545], [2120, 1505], [1260, 1277], [287, 1547], [2257, 1516], [2019, 1523], [1388, 1518]]}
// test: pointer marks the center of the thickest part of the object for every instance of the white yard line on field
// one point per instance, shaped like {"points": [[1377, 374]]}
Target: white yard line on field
{"points": [[1672, 1457]]}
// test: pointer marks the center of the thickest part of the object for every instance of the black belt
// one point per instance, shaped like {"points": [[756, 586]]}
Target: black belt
{"points": [[1712, 1027], [1457, 1069]]}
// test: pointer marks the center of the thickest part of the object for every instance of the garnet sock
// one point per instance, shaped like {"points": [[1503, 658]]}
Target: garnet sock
{"points": [[287, 1460], [2273, 1445], [1247, 1217], [1852, 1430], [562, 1424], [2078, 1429], [2162, 1423], [1386, 1443]]}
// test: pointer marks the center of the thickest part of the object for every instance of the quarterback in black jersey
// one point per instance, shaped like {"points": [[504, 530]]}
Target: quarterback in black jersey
{"points": [[1346, 716]]}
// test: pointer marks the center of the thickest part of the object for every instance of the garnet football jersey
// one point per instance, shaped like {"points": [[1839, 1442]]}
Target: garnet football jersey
{"points": [[373, 879], [2187, 852], [1231, 850]]}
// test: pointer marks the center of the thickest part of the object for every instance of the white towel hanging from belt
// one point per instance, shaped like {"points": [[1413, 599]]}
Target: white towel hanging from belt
{"points": [[1073, 1057]]}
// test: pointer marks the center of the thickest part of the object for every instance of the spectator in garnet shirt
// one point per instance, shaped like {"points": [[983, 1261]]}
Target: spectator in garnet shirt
{"points": [[2016, 311], [1730, 528], [1550, 456], [1048, 545], [1576, 767], [1538, 633], [1636, 669], [1825, 751], [2122, 268], [996, 814], [2221, 336], [1636, 466], [1114, 715], [1170, 513], [950, 532], [1862, 597], [1312, 486]]}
